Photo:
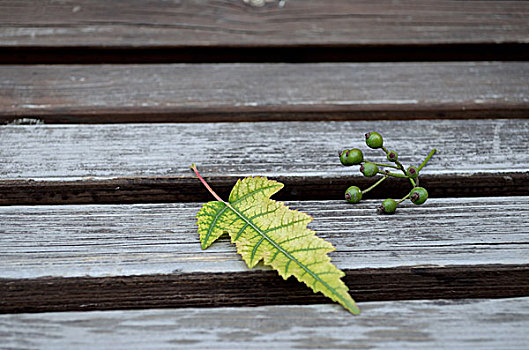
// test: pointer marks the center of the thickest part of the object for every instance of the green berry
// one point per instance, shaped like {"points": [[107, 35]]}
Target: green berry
{"points": [[353, 194], [419, 195], [392, 156], [343, 157], [412, 172], [387, 207], [374, 140], [350, 157], [369, 169]]}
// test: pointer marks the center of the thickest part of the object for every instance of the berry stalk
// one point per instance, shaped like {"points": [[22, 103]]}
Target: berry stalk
{"points": [[392, 174], [401, 167], [375, 184], [405, 197], [432, 152], [386, 165]]}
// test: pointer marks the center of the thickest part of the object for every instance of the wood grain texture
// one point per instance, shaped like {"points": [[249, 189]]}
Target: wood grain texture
{"points": [[263, 92], [104, 240], [155, 30], [461, 324], [106, 257], [234, 23], [149, 162]]}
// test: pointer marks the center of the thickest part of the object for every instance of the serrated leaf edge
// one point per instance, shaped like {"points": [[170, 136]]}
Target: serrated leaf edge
{"points": [[353, 307]]}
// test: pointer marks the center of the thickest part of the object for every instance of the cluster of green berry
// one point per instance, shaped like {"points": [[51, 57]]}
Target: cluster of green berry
{"points": [[418, 195]]}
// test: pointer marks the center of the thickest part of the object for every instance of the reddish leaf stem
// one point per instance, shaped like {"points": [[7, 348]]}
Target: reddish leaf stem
{"points": [[194, 168]]}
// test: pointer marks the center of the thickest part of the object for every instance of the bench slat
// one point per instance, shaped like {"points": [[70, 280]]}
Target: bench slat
{"points": [[98, 31], [122, 256], [257, 92], [149, 162], [461, 324]]}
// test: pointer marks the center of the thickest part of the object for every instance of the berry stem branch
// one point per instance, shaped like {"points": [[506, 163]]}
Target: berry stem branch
{"points": [[217, 197], [386, 165], [392, 174], [405, 197], [375, 184], [401, 167], [432, 152]]}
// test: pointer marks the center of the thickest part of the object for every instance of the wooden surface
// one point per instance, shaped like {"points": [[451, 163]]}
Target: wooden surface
{"points": [[138, 256], [425, 324], [229, 23], [149, 162], [257, 92], [293, 30], [86, 87], [108, 240]]}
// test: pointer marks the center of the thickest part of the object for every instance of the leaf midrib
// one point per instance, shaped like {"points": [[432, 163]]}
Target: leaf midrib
{"points": [[278, 247]]}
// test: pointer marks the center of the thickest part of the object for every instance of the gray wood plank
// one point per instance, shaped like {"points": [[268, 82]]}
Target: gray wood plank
{"points": [[442, 324], [228, 23], [257, 92], [116, 256], [106, 240], [149, 162], [222, 29]]}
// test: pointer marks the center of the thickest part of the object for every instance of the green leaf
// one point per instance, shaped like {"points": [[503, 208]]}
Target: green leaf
{"points": [[266, 230]]}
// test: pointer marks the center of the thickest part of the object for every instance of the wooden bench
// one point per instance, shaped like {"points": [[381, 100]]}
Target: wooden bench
{"points": [[104, 107]]}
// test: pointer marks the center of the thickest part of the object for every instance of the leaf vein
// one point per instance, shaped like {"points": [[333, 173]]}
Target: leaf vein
{"points": [[255, 248], [261, 189], [290, 257], [291, 223], [240, 232], [210, 230]]}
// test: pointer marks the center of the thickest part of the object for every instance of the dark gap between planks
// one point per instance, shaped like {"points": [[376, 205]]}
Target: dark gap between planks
{"points": [[269, 54], [281, 114], [257, 288], [189, 189]]}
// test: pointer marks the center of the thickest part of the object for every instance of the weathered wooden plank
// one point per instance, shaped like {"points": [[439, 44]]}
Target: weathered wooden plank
{"points": [[260, 92], [149, 163], [450, 324], [123, 256], [102, 240], [296, 30], [229, 23]]}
